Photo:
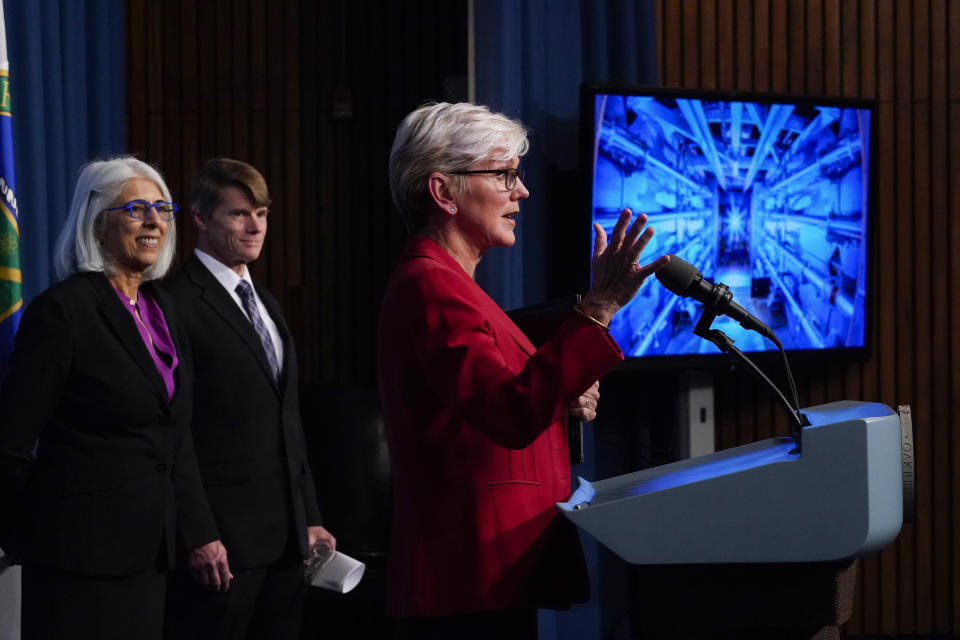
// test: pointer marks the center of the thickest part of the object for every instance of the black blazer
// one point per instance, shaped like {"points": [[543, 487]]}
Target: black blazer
{"points": [[246, 427], [114, 460]]}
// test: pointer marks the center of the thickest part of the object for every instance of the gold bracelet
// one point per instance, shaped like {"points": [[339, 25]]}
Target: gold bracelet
{"points": [[589, 317]]}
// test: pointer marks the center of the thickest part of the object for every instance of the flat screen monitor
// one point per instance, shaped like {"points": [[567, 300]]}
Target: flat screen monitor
{"points": [[770, 195]]}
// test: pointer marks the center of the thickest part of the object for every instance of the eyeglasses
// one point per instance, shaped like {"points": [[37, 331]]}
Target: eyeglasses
{"points": [[509, 175], [140, 209]]}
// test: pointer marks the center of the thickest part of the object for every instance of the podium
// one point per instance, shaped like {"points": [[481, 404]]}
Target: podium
{"points": [[724, 537]]}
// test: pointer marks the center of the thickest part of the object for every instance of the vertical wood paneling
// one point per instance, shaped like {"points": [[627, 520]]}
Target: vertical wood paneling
{"points": [[258, 80], [292, 114], [779, 41], [911, 588], [273, 32], [925, 566], [670, 42], [179, 172], [172, 96], [692, 43], [761, 45], [868, 53], [849, 34], [240, 78], [726, 51], [259, 94], [796, 32], [900, 54], [371, 63], [953, 234], [154, 87], [341, 140], [866, 608], [708, 45], [832, 62], [744, 44], [954, 337], [224, 98], [813, 71], [939, 415]]}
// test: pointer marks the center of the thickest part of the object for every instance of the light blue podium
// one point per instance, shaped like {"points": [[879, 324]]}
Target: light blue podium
{"points": [[763, 522]]}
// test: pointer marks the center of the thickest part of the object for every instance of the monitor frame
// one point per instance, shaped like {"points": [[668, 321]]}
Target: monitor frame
{"points": [[580, 224]]}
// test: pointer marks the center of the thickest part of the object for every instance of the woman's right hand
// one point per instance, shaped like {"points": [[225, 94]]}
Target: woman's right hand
{"points": [[616, 275]]}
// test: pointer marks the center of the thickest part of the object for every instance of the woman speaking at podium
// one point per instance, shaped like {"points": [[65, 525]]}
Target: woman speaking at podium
{"points": [[474, 413]]}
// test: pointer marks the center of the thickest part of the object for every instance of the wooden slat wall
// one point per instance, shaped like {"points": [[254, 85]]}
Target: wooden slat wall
{"points": [[382, 60], [222, 78], [899, 54], [258, 80]]}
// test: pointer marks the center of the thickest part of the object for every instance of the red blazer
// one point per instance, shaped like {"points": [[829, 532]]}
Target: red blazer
{"points": [[475, 424]]}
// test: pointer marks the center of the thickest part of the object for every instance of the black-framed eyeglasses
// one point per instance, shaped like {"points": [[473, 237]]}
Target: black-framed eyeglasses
{"points": [[140, 209], [509, 175]]}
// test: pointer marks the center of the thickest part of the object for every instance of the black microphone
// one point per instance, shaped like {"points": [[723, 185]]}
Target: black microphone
{"points": [[683, 279]]}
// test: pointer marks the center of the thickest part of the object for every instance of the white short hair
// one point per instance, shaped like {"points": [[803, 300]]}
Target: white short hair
{"points": [[100, 184], [446, 137]]}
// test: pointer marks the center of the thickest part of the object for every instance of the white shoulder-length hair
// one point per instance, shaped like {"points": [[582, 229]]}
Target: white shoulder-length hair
{"points": [[98, 187]]}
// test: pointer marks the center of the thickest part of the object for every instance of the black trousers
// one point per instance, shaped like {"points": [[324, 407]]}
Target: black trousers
{"points": [[262, 602], [520, 624], [59, 604]]}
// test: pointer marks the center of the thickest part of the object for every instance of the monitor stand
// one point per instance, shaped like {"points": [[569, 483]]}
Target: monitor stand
{"points": [[695, 424]]}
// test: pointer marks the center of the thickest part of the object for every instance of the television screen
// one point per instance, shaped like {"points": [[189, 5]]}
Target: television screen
{"points": [[769, 195]]}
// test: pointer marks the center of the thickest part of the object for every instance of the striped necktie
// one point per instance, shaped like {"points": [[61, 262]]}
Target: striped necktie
{"points": [[245, 291]]}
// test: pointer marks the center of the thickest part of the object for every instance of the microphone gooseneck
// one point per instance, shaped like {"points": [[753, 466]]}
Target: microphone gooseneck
{"points": [[683, 279]]}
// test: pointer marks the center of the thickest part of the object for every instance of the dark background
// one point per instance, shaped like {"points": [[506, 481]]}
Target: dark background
{"points": [[311, 93]]}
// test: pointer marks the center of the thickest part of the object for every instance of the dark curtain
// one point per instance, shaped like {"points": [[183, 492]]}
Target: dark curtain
{"points": [[68, 95], [531, 57]]}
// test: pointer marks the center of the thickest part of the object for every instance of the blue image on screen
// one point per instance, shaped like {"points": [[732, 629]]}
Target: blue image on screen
{"points": [[768, 198]]}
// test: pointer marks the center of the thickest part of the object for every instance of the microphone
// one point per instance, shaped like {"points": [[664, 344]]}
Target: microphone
{"points": [[683, 279]]}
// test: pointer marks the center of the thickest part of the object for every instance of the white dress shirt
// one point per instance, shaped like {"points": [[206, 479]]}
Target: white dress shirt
{"points": [[229, 279]]}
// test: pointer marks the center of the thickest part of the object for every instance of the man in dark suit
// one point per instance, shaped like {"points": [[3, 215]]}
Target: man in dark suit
{"points": [[246, 426]]}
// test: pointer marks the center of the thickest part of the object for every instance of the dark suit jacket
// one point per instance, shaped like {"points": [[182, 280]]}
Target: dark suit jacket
{"points": [[114, 461], [475, 420], [246, 427]]}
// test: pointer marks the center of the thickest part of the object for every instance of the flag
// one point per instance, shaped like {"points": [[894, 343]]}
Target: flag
{"points": [[11, 291]]}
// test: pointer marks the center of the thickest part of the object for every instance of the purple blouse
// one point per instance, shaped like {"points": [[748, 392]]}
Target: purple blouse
{"points": [[155, 334]]}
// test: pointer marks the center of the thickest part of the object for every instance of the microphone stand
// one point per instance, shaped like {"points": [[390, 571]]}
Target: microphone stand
{"points": [[725, 344]]}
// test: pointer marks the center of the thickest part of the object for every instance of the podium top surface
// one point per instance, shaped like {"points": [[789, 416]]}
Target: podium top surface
{"points": [[841, 497]]}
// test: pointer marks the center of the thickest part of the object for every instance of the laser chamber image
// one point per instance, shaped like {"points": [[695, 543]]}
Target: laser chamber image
{"points": [[768, 198]]}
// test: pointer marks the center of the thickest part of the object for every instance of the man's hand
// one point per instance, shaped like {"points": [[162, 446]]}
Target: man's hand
{"points": [[209, 567], [319, 534]]}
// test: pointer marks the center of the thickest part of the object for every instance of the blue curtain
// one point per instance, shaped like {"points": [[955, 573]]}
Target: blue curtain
{"points": [[68, 93], [531, 56]]}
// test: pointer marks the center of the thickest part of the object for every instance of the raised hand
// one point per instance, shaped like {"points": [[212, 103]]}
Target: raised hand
{"points": [[616, 274]]}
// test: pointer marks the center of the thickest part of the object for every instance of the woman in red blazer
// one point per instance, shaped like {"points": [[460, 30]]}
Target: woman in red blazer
{"points": [[474, 413]]}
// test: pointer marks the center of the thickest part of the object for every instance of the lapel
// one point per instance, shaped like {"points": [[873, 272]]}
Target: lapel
{"points": [[217, 298], [420, 246], [506, 324], [119, 320]]}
